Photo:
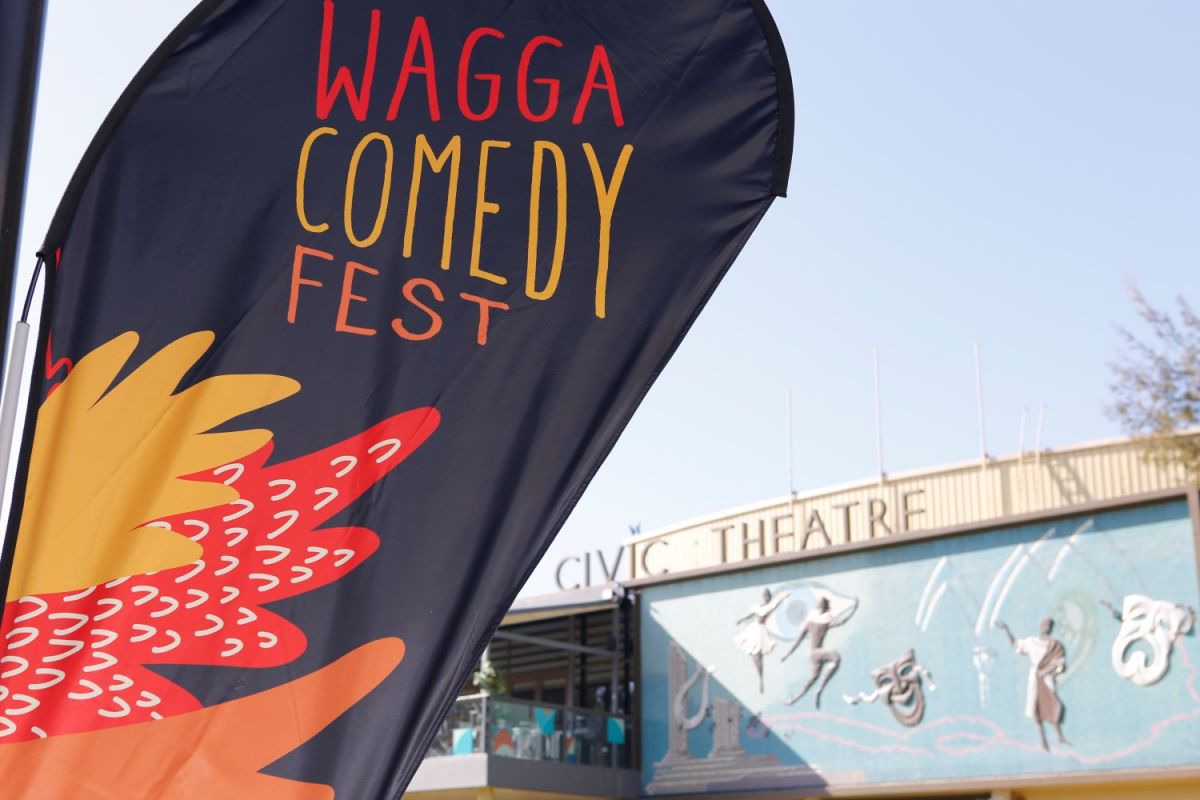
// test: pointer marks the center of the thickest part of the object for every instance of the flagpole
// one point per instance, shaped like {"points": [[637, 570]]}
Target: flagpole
{"points": [[22, 28], [22, 25], [13, 378]]}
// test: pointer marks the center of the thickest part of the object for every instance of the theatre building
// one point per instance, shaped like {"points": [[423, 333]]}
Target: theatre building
{"points": [[1020, 628]]}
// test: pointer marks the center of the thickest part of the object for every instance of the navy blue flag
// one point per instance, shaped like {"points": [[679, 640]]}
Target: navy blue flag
{"points": [[345, 305]]}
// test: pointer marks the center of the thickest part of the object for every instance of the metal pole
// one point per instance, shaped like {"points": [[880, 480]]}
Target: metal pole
{"points": [[615, 676], [22, 24], [1021, 445], [791, 467], [614, 706], [14, 378], [570, 694], [790, 455], [12, 391], [983, 457], [484, 739], [979, 405], [1037, 445], [878, 423]]}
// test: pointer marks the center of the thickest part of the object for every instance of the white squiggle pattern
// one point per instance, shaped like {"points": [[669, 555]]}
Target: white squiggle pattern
{"points": [[392, 446]]}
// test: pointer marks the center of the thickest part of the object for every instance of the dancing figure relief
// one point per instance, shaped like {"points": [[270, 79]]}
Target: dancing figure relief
{"points": [[756, 640], [824, 660]]}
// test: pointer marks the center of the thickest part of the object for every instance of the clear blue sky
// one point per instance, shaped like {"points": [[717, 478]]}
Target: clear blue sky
{"points": [[997, 171]]}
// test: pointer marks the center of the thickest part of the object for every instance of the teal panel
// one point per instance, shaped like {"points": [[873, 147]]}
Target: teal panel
{"points": [[893, 665]]}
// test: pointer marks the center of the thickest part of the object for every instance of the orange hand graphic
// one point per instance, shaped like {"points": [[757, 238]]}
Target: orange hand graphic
{"points": [[146, 539], [211, 754]]}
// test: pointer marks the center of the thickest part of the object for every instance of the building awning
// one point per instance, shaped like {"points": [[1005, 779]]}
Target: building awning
{"points": [[564, 604]]}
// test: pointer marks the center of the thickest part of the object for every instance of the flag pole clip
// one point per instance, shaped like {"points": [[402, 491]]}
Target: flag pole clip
{"points": [[13, 378]]}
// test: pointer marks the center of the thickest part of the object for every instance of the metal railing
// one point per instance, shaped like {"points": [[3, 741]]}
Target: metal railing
{"points": [[502, 726]]}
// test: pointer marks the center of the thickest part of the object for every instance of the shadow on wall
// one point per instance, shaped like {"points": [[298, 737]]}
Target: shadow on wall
{"points": [[707, 733]]}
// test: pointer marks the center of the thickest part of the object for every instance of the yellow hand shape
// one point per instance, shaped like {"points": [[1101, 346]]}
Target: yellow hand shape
{"points": [[106, 461]]}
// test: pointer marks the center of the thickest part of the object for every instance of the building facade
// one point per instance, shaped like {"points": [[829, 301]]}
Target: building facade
{"points": [[1020, 628]]}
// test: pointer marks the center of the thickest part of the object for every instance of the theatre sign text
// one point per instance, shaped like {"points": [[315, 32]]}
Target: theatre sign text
{"points": [[773, 530], [968, 494]]}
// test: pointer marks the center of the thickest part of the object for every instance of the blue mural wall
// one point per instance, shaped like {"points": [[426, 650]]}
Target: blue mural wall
{"points": [[895, 665]]}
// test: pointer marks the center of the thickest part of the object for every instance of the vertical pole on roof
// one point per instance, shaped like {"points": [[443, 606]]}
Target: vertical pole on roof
{"points": [[1037, 445], [791, 462], [979, 405], [985, 493], [791, 459], [878, 422], [1021, 443]]}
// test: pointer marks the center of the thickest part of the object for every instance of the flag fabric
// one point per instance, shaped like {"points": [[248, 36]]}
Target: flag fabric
{"points": [[345, 305]]}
